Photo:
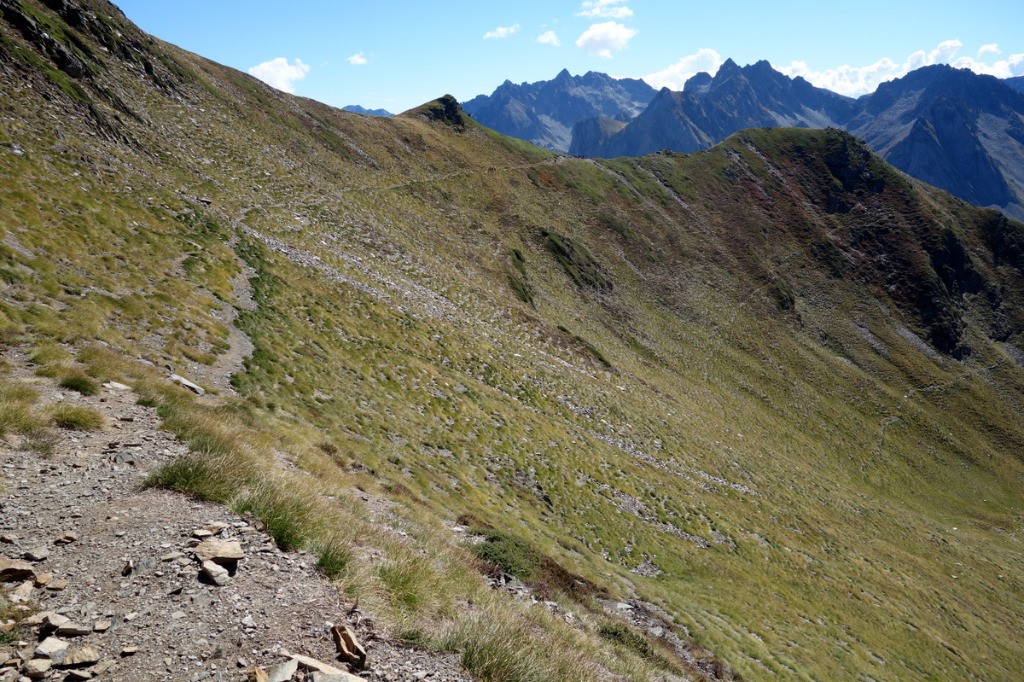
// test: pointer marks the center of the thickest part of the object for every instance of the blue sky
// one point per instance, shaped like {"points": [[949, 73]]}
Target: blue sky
{"points": [[397, 55]]}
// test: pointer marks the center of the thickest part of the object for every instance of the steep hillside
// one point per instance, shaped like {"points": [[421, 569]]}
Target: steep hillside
{"points": [[544, 112], [748, 412]]}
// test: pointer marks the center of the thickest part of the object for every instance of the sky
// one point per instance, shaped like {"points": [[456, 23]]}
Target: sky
{"points": [[398, 55]]}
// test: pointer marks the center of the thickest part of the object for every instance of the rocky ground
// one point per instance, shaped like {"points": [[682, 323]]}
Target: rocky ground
{"points": [[106, 579]]}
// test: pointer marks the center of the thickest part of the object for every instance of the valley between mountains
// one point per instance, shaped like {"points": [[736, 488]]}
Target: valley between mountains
{"points": [[747, 413]]}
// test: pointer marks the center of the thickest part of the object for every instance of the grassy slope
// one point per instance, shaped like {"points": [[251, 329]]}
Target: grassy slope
{"points": [[821, 499]]}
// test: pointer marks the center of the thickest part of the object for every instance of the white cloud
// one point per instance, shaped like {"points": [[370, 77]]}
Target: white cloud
{"points": [[860, 80], [358, 59], [676, 75], [605, 9], [549, 38], [502, 32], [604, 38], [992, 48], [1003, 68], [280, 74]]}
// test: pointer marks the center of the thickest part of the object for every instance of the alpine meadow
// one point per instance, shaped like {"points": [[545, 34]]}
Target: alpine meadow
{"points": [[752, 412]]}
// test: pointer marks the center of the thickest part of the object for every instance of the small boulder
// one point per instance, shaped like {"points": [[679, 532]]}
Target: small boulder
{"points": [[220, 551], [37, 668], [217, 573], [50, 646], [86, 655]]}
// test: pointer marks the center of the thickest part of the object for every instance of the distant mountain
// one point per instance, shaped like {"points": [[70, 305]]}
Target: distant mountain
{"points": [[356, 109], [710, 109], [545, 112], [1016, 83], [955, 129], [952, 128]]}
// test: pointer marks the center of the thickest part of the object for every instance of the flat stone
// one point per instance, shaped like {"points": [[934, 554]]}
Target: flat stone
{"points": [[182, 381], [37, 668], [76, 675], [202, 533], [171, 556], [116, 386], [50, 646], [72, 629], [40, 553], [54, 620], [129, 650], [86, 655], [177, 615], [215, 572], [248, 622], [43, 579], [282, 672], [101, 626], [101, 667], [12, 570], [221, 551], [57, 585], [318, 666]]}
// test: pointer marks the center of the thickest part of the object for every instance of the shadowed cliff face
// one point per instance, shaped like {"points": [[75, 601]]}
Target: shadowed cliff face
{"points": [[777, 367]]}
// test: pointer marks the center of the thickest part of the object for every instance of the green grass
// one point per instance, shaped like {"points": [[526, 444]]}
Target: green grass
{"points": [[509, 553], [75, 417], [716, 419], [79, 382]]}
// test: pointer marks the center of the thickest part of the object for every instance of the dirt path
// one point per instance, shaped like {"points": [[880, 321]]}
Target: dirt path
{"points": [[132, 580]]}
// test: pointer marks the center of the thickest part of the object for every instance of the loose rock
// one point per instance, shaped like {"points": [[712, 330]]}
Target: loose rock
{"points": [[215, 572], [87, 655], [220, 551], [349, 648], [37, 668], [50, 646], [282, 672], [15, 570]]}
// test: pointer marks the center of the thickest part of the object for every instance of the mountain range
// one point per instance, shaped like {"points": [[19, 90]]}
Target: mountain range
{"points": [[356, 109], [955, 129], [544, 112], [746, 413]]}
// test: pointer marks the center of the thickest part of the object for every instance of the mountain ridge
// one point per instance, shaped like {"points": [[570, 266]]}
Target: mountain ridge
{"points": [[978, 156]]}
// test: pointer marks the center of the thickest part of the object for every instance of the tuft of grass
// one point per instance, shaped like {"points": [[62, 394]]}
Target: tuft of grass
{"points": [[335, 557], [288, 516], [403, 579], [509, 553], [75, 417], [623, 635], [194, 475], [78, 381]]}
